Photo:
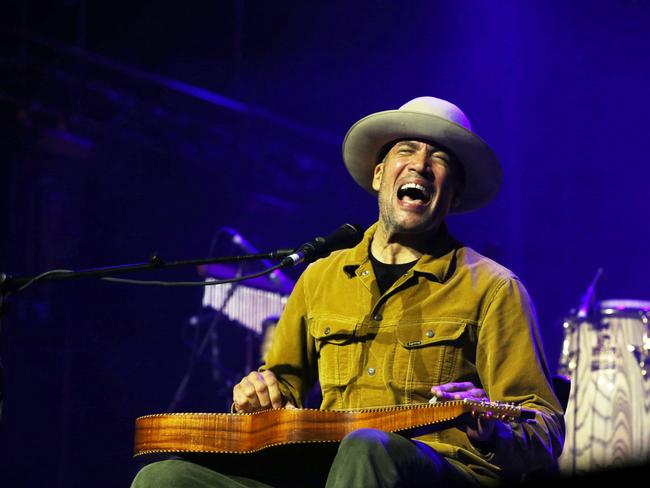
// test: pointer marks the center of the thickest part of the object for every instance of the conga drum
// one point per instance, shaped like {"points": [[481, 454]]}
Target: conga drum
{"points": [[606, 355]]}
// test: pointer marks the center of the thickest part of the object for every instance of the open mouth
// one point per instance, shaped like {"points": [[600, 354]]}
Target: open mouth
{"points": [[414, 192]]}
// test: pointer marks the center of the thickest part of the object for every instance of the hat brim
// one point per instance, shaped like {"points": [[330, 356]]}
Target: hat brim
{"points": [[365, 140]]}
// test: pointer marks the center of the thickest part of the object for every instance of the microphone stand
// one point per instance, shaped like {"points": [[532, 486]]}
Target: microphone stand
{"points": [[9, 284], [12, 285], [345, 236]]}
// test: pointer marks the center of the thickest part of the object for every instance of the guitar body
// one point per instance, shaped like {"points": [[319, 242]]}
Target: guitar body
{"points": [[252, 432]]}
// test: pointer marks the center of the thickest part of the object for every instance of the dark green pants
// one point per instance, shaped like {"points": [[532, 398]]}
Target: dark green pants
{"points": [[366, 458]]}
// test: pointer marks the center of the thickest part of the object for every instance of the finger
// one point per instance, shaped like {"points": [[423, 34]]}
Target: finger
{"points": [[250, 393], [275, 395], [261, 389], [441, 395], [244, 397], [454, 387], [475, 394], [237, 399], [478, 394]]}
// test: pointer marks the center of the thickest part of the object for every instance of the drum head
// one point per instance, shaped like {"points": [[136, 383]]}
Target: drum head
{"points": [[624, 307]]}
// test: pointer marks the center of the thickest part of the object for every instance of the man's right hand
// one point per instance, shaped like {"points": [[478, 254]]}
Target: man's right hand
{"points": [[258, 391]]}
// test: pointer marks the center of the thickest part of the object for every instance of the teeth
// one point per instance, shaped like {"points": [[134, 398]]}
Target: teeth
{"points": [[416, 186]]}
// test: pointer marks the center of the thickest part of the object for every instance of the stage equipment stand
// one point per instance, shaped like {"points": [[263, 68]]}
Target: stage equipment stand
{"points": [[11, 285]]}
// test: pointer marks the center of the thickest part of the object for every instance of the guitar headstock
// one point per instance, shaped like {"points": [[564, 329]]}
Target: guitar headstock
{"points": [[506, 412]]}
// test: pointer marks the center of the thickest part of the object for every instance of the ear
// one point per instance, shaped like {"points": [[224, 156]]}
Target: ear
{"points": [[376, 178]]}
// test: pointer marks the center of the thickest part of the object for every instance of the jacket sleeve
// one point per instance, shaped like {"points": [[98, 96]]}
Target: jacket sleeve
{"points": [[512, 368], [292, 355]]}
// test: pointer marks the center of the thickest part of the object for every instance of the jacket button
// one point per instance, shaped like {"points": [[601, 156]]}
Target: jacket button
{"points": [[377, 317], [327, 330], [365, 272], [371, 371], [429, 333]]}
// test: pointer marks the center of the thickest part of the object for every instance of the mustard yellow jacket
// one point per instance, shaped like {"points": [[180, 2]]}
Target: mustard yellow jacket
{"points": [[454, 316]]}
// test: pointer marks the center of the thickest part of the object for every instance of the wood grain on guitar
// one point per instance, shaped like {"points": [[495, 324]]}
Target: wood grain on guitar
{"points": [[251, 432]]}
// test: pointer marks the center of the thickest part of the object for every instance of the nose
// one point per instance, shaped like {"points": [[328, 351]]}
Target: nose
{"points": [[420, 163]]}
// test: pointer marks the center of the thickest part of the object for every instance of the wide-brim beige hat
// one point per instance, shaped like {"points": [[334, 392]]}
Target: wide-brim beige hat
{"points": [[431, 119]]}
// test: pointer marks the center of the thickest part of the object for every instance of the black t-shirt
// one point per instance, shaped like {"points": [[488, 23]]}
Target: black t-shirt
{"points": [[387, 274]]}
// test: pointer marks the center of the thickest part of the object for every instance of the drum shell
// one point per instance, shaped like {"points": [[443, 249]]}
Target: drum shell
{"points": [[608, 414]]}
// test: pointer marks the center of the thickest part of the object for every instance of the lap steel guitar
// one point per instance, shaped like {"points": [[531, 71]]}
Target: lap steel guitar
{"points": [[251, 432]]}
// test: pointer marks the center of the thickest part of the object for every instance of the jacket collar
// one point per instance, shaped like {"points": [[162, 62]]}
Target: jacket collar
{"points": [[438, 263]]}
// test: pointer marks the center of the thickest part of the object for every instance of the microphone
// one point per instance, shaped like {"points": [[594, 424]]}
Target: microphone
{"points": [[348, 235]]}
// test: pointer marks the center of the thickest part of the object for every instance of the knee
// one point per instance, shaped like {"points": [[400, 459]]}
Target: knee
{"points": [[365, 441], [163, 474]]}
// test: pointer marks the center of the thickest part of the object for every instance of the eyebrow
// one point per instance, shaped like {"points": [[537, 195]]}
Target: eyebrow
{"points": [[416, 145], [410, 144]]}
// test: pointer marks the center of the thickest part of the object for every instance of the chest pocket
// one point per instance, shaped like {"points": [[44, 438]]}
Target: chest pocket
{"points": [[335, 346], [428, 354]]}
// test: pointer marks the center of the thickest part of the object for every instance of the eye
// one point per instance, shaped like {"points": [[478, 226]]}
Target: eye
{"points": [[441, 157]]}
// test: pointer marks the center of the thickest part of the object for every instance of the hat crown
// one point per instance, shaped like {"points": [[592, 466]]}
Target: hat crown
{"points": [[439, 108]]}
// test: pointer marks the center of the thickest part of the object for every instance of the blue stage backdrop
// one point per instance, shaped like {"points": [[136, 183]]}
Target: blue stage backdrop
{"points": [[132, 128]]}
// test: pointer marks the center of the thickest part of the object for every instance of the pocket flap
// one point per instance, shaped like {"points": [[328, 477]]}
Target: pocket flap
{"points": [[332, 330], [424, 334]]}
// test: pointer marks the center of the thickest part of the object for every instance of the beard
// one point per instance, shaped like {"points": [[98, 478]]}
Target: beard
{"points": [[391, 221]]}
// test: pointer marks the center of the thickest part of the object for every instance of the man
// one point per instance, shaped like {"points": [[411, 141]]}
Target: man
{"points": [[410, 313]]}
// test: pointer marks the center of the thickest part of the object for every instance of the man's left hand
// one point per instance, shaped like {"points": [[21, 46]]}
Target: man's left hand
{"points": [[481, 430]]}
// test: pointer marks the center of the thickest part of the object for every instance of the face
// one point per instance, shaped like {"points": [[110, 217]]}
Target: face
{"points": [[415, 182]]}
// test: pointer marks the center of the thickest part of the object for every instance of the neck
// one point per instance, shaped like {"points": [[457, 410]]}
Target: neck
{"points": [[391, 247]]}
